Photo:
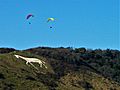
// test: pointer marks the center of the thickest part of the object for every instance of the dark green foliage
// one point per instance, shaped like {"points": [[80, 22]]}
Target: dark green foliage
{"points": [[48, 80], [6, 50], [107, 62], [1, 76], [80, 50], [85, 85], [30, 78], [14, 73]]}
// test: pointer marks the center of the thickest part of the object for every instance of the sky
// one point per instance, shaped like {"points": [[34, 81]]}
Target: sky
{"points": [[92, 24]]}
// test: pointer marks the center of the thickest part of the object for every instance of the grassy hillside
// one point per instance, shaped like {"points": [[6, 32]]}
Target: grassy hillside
{"points": [[60, 74], [106, 62], [86, 80], [15, 74]]}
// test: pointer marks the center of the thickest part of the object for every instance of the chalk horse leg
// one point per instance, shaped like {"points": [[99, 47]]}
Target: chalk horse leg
{"points": [[40, 64], [27, 63], [34, 66], [44, 65]]}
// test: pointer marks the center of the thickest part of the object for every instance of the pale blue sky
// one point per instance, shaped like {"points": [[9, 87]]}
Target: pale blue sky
{"points": [[78, 23]]}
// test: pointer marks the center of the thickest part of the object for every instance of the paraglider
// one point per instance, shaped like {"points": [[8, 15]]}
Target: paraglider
{"points": [[50, 20], [29, 16], [50, 27]]}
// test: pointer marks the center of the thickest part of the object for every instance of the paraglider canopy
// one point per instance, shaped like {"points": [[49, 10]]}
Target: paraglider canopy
{"points": [[50, 19], [30, 15]]}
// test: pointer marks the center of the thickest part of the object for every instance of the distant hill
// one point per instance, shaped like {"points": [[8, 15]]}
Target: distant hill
{"points": [[68, 69], [6, 50]]}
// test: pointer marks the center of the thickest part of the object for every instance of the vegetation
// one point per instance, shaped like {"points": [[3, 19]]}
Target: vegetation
{"points": [[68, 69], [107, 62]]}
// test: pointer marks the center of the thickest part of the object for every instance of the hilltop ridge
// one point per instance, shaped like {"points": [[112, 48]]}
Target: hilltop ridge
{"points": [[68, 69]]}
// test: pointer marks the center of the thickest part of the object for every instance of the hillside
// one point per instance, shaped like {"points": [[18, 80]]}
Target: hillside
{"points": [[106, 62], [63, 71]]}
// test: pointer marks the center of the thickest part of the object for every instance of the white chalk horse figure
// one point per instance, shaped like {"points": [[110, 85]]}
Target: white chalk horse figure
{"points": [[30, 60]]}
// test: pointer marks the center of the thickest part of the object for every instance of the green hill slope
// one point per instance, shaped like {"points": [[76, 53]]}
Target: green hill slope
{"points": [[16, 75]]}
